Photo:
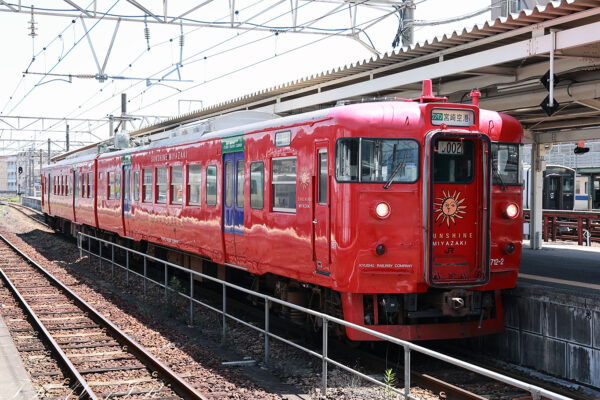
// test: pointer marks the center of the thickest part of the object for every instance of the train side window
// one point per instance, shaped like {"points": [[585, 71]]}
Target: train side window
{"points": [[77, 186], [322, 176], [211, 185], [284, 184], [54, 185], [84, 185], [111, 185], [193, 181], [161, 185], [176, 184], [90, 182], [62, 185], [127, 184], [100, 179], [506, 164], [147, 188], [257, 183], [229, 187], [454, 168], [240, 183], [136, 185], [346, 160], [118, 186], [69, 186], [80, 186]]}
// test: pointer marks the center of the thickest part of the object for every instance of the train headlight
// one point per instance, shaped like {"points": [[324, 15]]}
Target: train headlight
{"points": [[383, 210], [511, 210]]}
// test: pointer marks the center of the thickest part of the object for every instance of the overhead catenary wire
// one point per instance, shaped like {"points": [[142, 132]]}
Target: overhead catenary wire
{"points": [[59, 61], [140, 55], [236, 71], [205, 57], [185, 61], [34, 58]]}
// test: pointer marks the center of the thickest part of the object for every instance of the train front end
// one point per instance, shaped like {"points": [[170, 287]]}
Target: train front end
{"points": [[428, 237]]}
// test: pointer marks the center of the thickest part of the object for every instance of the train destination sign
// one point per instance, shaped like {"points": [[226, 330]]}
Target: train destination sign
{"points": [[232, 144], [452, 117]]}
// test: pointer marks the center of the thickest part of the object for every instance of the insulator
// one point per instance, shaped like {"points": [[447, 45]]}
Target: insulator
{"points": [[147, 32], [181, 40]]}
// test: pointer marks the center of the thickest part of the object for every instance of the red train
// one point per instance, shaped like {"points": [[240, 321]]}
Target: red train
{"points": [[403, 216]]}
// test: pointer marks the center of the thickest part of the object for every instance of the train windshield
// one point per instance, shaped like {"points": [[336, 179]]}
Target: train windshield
{"points": [[454, 162], [506, 167], [380, 160]]}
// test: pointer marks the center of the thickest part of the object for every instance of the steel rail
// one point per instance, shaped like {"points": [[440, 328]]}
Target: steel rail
{"points": [[179, 385], [62, 357], [17, 207]]}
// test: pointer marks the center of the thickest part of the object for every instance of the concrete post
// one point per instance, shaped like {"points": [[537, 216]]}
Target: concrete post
{"points": [[67, 139], [538, 166], [48, 151], [408, 21]]}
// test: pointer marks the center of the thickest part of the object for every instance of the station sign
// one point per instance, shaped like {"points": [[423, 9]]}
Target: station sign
{"points": [[452, 117], [232, 144]]}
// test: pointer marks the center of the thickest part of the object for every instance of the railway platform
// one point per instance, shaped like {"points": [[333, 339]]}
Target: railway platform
{"points": [[562, 264], [15, 382], [552, 316]]}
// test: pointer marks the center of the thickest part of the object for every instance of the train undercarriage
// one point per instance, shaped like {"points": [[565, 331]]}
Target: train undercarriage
{"points": [[406, 315]]}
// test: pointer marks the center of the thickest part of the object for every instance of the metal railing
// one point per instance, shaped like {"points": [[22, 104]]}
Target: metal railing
{"points": [[536, 391], [580, 226]]}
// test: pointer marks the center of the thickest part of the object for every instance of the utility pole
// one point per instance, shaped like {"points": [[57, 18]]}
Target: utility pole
{"points": [[123, 110], [48, 151], [407, 23], [67, 139]]}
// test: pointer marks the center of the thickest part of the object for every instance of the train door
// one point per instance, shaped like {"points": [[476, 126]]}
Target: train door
{"points": [[42, 182], [126, 197], [594, 192], [76, 190], [233, 204], [553, 193], [49, 188], [321, 210], [459, 201]]}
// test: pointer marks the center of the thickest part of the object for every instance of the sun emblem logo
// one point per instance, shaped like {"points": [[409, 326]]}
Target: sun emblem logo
{"points": [[304, 179], [449, 207]]}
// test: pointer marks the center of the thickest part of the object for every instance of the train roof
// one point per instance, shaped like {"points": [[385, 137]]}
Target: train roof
{"points": [[203, 130]]}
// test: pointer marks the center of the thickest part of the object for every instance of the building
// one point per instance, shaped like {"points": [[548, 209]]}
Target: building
{"points": [[8, 174], [586, 165], [30, 163], [503, 8], [3, 174]]}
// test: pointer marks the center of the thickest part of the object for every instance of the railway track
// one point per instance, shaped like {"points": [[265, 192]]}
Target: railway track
{"points": [[98, 358], [34, 215]]}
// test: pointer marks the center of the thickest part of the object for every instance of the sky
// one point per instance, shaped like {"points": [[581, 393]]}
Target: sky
{"points": [[216, 64]]}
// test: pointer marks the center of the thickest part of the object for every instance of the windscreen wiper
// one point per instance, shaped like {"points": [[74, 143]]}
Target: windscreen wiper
{"points": [[399, 167], [497, 174]]}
